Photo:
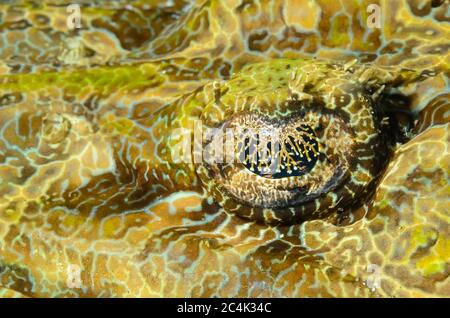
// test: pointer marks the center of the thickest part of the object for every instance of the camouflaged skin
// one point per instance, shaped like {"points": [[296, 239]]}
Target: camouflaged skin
{"points": [[86, 178]]}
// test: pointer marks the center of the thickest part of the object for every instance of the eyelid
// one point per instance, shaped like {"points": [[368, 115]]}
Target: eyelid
{"points": [[349, 140]]}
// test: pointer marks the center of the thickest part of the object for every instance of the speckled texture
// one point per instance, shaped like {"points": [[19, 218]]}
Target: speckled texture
{"points": [[87, 178]]}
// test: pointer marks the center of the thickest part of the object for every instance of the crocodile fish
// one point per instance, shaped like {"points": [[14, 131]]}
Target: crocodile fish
{"points": [[128, 165]]}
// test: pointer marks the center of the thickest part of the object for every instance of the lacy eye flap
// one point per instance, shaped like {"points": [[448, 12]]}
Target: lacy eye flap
{"points": [[288, 157], [266, 155]]}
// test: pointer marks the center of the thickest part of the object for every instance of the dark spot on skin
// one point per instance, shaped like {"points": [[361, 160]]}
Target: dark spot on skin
{"points": [[437, 3], [391, 48], [294, 95], [19, 25], [188, 75], [244, 5], [322, 156], [67, 97], [217, 95], [89, 52], [308, 87], [130, 28], [342, 100], [18, 278], [42, 20], [418, 9], [256, 41], [367, 57], [92, 102], [10, 99], [291, 39], [225, 70]]}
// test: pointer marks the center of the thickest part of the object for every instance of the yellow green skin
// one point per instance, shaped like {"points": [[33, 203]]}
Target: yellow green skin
{"points": [[103, 196]]}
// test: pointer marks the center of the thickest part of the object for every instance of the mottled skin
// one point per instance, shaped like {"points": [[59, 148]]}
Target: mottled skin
{"points": [[86, 177]]}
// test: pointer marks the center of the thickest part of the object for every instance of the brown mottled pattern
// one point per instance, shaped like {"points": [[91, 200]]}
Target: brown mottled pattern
{"points": [[86, 177]]}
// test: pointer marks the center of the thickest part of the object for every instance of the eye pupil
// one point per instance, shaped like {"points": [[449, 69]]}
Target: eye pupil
{"points": [[293, 154]]}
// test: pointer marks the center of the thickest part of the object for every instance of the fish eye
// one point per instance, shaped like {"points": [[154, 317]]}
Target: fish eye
{"points": [[295, 160], [294, 155]]}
